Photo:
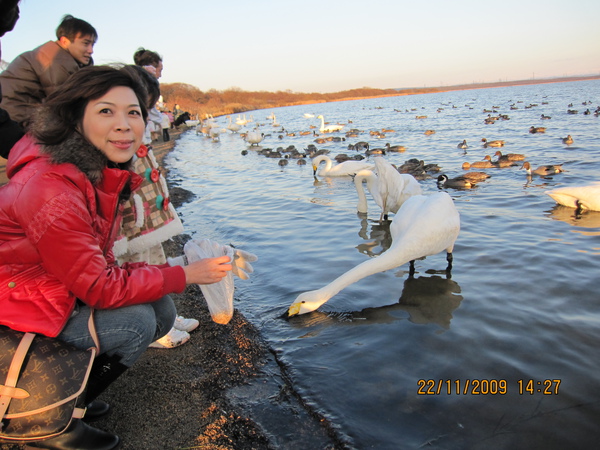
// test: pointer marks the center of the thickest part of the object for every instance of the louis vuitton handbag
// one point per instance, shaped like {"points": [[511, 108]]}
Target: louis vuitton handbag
{"points": [[42, 382]]}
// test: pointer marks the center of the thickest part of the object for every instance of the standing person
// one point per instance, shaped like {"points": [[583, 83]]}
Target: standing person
{"points": [[149, 218], [67, 178], [10, 131], [34, 75], [152, 62], [166, 124]]}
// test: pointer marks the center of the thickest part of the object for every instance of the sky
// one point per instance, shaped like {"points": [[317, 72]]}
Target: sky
{"points": [[331, 45]]}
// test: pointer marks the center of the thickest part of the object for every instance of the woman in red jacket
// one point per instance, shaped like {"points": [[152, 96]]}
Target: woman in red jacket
{"points": [[68, 178]]}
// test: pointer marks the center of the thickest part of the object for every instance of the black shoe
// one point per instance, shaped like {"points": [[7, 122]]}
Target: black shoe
{"points": [[79, 436], [95, 410]]}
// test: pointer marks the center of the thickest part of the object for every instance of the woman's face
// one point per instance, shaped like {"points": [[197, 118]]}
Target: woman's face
{"points": [[114, 124]]}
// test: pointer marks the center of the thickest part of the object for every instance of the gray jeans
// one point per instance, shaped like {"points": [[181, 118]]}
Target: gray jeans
{"points": [[125, 331]]}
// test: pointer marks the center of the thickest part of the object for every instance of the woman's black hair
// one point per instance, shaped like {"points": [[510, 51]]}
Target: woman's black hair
{"points": [[61, 114], [151, 83], [143, 57]]}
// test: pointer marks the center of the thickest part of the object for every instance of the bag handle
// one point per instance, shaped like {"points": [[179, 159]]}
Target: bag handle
{"points": [[9, 389], [93, 332]]}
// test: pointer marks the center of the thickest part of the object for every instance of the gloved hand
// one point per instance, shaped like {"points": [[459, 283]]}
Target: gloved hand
{"points": [[241, 263], [241, 259]]}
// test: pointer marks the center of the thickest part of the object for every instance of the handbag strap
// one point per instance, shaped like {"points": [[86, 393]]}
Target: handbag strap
{"points": [[9, 390], [93, 332]]}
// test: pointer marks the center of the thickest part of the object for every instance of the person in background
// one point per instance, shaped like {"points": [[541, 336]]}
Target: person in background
{"points": [[171, 118], [177, 111], [153, 63], [34, 75], [68, 177], [166, 124], [149, 218], [10, 131]]}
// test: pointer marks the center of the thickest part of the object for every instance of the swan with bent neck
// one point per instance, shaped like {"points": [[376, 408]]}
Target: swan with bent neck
{"points": [[424, 225], [342, 169], [389, 188]]}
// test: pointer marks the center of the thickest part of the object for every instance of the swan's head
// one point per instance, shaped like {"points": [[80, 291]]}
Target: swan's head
{"points": [[306, 302], [316, 161]]}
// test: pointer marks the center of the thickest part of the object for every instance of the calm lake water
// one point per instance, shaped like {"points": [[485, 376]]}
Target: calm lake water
{"points": [[379, 358]]}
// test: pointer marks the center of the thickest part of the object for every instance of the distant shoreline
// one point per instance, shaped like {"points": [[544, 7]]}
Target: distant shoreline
{"points": [[465, 87]]}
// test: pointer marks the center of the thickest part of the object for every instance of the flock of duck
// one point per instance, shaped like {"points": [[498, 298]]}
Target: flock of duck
{"points": [[422, 225]]}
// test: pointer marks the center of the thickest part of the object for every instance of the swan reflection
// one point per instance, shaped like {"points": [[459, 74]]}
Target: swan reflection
{"points": [[379, 239], [585, 219], [427, 300]]}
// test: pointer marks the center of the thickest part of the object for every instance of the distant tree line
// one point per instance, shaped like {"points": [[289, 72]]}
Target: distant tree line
{"points": [[234, 100]]}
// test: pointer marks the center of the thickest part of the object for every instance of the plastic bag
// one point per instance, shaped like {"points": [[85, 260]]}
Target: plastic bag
{"points": [[219, 296]]}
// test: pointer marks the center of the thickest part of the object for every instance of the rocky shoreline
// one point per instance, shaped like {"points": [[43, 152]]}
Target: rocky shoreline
{"points": [[224, 389]]}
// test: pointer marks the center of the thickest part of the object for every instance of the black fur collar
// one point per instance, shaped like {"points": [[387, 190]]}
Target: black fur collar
{"points": [[79, 151]]}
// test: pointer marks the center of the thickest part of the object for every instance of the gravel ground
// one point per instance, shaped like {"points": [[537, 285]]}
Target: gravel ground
{"points": [[224, 389]]}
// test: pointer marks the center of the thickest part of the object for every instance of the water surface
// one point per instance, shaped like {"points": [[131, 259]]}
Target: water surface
{"points": [[522, 302]]}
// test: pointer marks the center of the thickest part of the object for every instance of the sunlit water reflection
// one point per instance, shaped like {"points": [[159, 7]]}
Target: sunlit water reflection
{"points": [[522, 302]]}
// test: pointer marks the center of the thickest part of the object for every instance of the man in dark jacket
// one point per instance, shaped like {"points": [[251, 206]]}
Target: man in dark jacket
{"points": [[10, 131], [35, 74]]}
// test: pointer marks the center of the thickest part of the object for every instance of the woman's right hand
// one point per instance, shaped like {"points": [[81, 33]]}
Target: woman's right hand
{"points": [[207, 270]]}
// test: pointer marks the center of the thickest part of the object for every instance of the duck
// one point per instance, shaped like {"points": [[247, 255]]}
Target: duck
{"points": [[534, 130], [581, 197], [459, 182], [395, 148], [328, 128], [345, 168], [429, 132], [463, 145], [496, 143], [475, 177], [549, 169], [374, 151], [424, 225], [545, 117], [485, 164], [501, 163], [509, 156], [567, 140]]}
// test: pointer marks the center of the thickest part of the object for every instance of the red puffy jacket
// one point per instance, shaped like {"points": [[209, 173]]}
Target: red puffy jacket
{"points": [[56, 234]]}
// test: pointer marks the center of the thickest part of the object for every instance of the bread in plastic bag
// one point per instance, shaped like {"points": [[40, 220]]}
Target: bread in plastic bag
{"points": [[219, 296]]}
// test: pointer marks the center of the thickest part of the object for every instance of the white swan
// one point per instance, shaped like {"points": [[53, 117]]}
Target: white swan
{"points": [[215, 133], [580, 197], [241, 121], [233, 127], [254, 137], [339, 170], [390, 189], [425, 225], [328, 128]]}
